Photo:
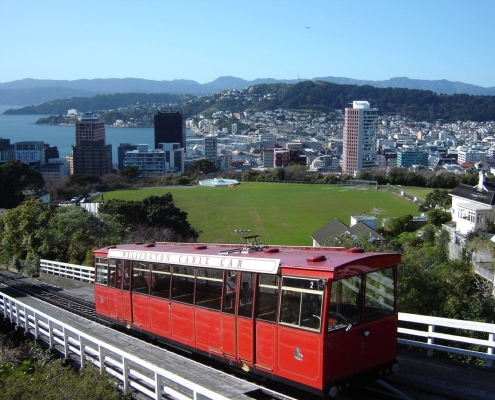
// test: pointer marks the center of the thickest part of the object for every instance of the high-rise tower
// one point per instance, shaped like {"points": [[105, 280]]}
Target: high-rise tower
{"points": [[359, 147], [170, 127], [90, 155]]}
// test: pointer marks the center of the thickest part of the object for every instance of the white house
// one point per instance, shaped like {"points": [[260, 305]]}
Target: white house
{"points": [[473, 206]]}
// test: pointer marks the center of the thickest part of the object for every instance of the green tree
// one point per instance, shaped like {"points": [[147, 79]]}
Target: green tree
{"points": [[395, 226], [130, 172], [155, 212], [439, 198], [202, 166], [19, 229], [438, 217], [69, 235], [16, 176]]}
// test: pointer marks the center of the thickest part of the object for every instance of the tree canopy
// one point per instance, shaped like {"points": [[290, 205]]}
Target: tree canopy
{"points": [[438, 198], [16, 176], [158, 212], [202, 166]]}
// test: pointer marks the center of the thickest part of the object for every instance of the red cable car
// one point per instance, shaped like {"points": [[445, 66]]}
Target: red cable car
{"points": [[319, 319]]}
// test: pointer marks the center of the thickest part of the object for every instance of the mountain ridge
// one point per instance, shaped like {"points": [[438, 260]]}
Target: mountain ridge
{"points": [[36, 91]]}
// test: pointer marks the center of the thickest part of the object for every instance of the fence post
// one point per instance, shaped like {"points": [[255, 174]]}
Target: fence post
{"points": [[50, 333], [158, 386], [489, 363], [431, 329], [102, 358], [82, 351], [125, 373]]}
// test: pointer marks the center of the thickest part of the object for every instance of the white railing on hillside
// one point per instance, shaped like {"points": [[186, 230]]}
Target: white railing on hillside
{"points": [[432, 339], [425, 335], [72, 271], [133, 372]]}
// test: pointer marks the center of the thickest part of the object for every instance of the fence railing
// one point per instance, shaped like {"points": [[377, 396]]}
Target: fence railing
{"points": [[427, 332], [401, 192], [72, 271], [447, 335], [133, 372]]}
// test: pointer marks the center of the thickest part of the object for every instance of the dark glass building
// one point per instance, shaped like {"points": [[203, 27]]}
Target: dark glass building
{"points": [[121, 150], [92, 157], [170, 127]]}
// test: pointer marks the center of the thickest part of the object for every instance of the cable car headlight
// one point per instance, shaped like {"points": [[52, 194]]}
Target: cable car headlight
{"points": [[366, 333]]}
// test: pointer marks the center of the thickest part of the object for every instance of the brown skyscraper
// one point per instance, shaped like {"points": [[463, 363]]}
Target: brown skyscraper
{"points": [[90, 127], [90, 155]]}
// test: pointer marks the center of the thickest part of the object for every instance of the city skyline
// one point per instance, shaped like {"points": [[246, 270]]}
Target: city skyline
{"points": [[202, 41]]}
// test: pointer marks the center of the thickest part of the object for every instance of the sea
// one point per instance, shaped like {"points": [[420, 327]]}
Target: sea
{"points": [[19, 128]]}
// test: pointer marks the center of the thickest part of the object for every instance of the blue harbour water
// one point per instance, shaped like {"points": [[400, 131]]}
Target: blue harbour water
{"points": [[20, 128]]}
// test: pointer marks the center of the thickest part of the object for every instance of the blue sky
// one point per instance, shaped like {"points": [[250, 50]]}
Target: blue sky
{"points": [[202, 40]]}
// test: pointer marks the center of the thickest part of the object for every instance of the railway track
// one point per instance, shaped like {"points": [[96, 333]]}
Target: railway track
{"points": [[73, 304]]}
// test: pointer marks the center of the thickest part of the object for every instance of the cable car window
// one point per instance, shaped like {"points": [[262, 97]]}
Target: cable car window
{"points": [[267, 298], [183, 284], [101, 267], [140, 277], [246, 295], [345, 302], [111, 272], [159, 283], [379, 294], [209, 288], [299, 306], [230, 292]]}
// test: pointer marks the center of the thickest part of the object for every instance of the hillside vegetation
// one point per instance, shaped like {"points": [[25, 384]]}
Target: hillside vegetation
{"points": [[421, 105]]}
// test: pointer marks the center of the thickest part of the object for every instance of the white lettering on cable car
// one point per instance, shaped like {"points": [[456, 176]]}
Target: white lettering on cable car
{"points": [[261, 265]]}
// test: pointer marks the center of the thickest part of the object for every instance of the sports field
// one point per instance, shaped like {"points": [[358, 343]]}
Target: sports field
{"points": [[281, 213]]}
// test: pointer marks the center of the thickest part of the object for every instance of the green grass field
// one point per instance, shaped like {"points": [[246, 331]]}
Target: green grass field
{"points": [[284, 214]]}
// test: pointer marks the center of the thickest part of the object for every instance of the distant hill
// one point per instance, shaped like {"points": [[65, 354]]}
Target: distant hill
{"points": [[318, 96], [36, 91]]}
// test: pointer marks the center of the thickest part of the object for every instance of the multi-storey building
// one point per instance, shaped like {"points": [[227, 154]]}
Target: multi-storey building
{"points": [[174, 157], [90, 127], [170, 127], [471, 155], [169, 158], [359, 134], [211, 149], [408, 156], [30, 153], [92, 157], [281, 158], [55, 170], [7, 151], [51, 152], [121, 150]]}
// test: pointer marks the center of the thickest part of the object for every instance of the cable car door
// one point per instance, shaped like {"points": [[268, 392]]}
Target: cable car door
{"points": [[126, 292], [244, 320]]}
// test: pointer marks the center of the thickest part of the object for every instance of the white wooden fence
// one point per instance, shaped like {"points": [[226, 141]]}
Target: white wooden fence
{"points": [[72, 271], [133, 372], [425, 335]]}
